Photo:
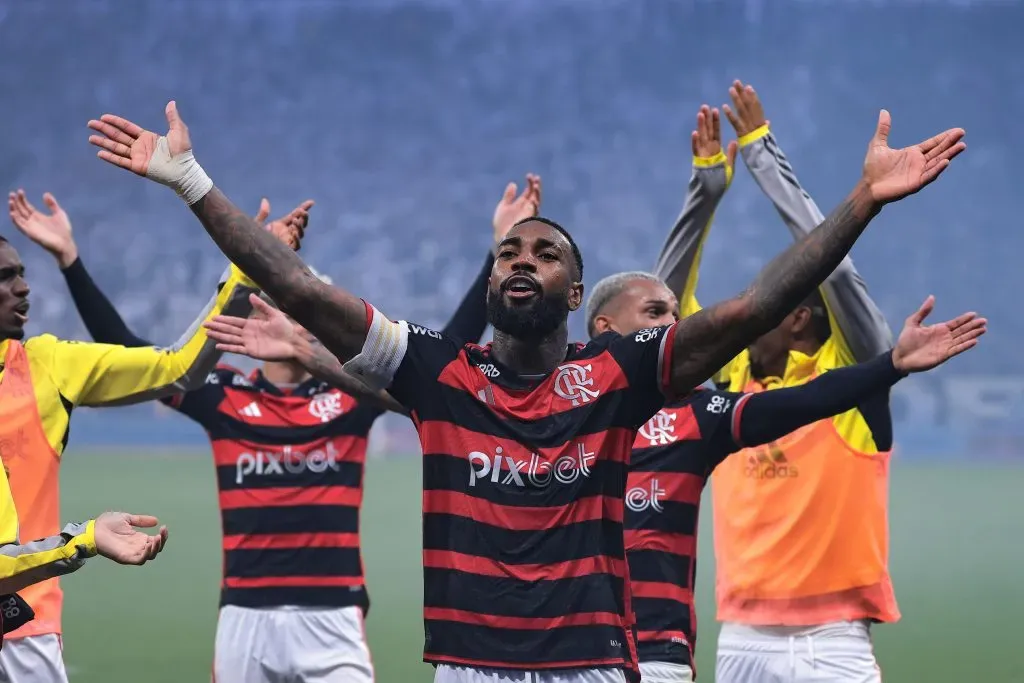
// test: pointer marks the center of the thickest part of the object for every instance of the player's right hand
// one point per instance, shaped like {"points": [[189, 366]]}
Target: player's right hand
{"points": [[118, 537], [267, 335], [706, 139], [51, 231], [748, 114], [922, 347], [129, 145], [511, 208], [291, 227]]}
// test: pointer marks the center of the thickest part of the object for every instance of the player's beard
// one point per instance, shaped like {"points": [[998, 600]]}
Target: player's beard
{"points": [[534, 321]]}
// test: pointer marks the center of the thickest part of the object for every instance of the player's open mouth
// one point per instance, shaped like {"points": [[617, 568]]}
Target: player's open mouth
{"points": [[21, 312], [521, 287]]}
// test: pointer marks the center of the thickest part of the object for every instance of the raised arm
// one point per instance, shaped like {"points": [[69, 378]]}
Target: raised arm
{"points": [[52, 231], [705, 341], [336, 317], [858, 323], [679, 260], [770, 415]]}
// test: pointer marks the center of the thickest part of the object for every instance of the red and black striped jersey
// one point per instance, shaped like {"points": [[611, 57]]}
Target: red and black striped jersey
{"points": [[290, 482], [673, 456], [524, 480]]}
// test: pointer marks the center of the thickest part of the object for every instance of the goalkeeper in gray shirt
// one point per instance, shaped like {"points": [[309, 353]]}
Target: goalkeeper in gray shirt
{"points": [[778, 622]]}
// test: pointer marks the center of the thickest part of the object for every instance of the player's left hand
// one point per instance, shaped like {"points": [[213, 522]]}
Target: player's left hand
{"points": [[291, 227], [511, 208], [118, 537], [892, 174], [748, 114], [922, 347], [267, 335], [706, 139]]}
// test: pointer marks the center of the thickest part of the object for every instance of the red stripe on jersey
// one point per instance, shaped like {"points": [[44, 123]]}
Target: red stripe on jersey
{"points": [[267, 459], [536, 623], [674, 487], [293, 581], [443, 559], [290, 496], [647, 636], [613, 445], [521, 517], [285, 541], [663, 591], [496, 664], [549, 397], [650, 539]]}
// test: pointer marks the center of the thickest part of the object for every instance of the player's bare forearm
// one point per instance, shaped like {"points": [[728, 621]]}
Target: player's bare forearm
{"points": [[336, 317], [324, 365], [709, 339]]}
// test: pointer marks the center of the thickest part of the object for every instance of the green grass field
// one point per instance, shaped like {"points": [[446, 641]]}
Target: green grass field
{"points": [[957, 562]]}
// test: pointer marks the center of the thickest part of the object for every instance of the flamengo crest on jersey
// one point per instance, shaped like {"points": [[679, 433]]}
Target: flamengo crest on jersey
{"points": [[289, 476], [524, 482]]}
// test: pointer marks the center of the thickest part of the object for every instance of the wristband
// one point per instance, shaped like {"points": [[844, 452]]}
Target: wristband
{"points": [[181, 172]]}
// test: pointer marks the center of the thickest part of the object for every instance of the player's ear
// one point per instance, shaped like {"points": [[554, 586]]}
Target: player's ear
{"points": [[575, 296], [602, 324], [800, 320]]}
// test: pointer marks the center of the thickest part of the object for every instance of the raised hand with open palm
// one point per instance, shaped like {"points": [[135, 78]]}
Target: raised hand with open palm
{"points": [[167, 159], [892, 174], [922, 347]]}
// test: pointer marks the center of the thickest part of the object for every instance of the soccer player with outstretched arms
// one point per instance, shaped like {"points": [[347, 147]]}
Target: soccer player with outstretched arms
{"points": [[526, 441], [678, 448], [801, 528], [289, 442], [41, 381]]}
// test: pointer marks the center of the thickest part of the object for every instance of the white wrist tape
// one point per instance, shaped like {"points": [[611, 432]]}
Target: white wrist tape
{"points": [[182, 173], [382, 354]]}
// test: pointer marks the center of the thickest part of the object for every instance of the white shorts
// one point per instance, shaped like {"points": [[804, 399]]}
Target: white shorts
{"points": [[665, 672], [34, 659], [447, 673], [291, 645], [840, 652]]}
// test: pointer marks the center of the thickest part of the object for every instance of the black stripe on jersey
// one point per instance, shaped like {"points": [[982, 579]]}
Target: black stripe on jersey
{"points": [[663, 651], [348, 474], [455, 406], [678, 518], [682, 457], [451, 589], [290, 520], [660, 567], [260, 564], [443, 472], [595, 538], [302, 596], [232, 429], [531, 649]]}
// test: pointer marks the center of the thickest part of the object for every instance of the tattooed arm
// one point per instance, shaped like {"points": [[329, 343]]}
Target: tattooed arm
{"points": [[333, 315], [705, 341], [336, 317], [324, 365]]}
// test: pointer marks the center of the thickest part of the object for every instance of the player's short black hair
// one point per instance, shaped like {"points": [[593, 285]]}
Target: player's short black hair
{"points": [[576, 255], [2, 239], [820, 326]]}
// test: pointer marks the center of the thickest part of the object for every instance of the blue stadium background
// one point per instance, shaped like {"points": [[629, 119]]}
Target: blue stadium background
{"points": [[403, 119]]}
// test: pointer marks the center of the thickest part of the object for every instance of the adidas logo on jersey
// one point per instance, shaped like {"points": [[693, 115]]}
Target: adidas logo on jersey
{"points": [[769, 463], [251, 410]]}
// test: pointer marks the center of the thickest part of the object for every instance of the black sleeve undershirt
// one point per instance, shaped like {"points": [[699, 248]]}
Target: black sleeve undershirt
{"points": [[99, 315], [770, 415], [469, 321]]}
